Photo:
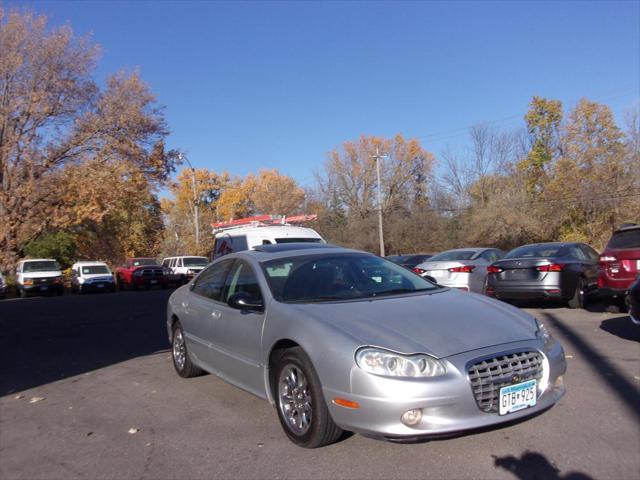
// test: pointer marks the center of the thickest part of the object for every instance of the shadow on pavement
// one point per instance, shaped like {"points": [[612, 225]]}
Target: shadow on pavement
{"points": [[622, 327], [50, 338], [609, 373], [535, 466]]}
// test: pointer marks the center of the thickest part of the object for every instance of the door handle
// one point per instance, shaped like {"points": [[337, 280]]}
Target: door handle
{"points": [[216, 314]]}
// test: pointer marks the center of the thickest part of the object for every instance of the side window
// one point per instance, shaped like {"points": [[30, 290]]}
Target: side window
{"points": [[242, 279], [576, 252], [490, 255], [210, 283], [166, 262], [179, 262], [590, 253], [266, 242]]}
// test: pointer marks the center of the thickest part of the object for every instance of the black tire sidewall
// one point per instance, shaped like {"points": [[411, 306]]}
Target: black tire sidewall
{"points": [[319, 411]]}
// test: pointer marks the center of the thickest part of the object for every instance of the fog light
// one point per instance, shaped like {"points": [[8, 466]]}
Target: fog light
{"points": [[412, 417]]}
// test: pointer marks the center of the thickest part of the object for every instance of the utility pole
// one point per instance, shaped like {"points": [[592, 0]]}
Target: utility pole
{"points": [[379, 157], [196, 201]]}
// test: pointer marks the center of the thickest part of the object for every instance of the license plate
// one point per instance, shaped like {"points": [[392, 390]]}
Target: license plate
{"points": [[154, 281], [435, 273], [42, 289], [516, 397], [100, 285]]}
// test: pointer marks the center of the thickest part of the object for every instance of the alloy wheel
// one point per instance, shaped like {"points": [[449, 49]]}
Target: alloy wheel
{"points": [[294, 399]]}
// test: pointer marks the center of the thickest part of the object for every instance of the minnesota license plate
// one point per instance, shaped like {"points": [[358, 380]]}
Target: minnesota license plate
{"points": [[516, 397]]}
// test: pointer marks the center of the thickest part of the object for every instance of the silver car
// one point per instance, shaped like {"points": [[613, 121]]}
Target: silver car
{"points": [[462, 268], [338, 339]]}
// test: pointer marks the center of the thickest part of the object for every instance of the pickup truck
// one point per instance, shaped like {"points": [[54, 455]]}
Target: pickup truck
{"points": [[140, 272]]}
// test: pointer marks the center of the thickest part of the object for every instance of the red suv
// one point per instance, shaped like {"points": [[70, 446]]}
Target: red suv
{"points": [[620, 262]]}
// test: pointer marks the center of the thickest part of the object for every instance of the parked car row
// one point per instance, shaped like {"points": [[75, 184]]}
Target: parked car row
{"points": [[568, 271]]}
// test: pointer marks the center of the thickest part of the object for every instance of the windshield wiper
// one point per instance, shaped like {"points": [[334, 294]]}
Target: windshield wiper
{"points": [[316, 299], [399, 290]]}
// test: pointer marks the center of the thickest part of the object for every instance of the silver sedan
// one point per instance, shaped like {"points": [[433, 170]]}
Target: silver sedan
{"points": [[462, 268], [338, 339]]}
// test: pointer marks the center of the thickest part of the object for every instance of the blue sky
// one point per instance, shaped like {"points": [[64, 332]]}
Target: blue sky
{"points": [[250, 85]]}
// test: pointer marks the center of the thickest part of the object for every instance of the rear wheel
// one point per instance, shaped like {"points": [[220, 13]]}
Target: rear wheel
{"points": [[302, 411], [579, 299], [181, 361]]}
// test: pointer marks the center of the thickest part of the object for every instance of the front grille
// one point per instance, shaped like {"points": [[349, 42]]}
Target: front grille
{"points": [[488, 376], [152, 272]]}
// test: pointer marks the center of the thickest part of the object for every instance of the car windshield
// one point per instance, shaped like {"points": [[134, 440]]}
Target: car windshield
{"points": [[138, 262], [298, 240], [195, 261], [534, 251], [453, 255], [397, 258], [625, 239], [41, 266], [415, 259], [95, 269], [320, 278]]}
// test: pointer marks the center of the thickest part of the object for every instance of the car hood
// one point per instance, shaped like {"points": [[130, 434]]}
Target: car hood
{"points": [[444, 323], [43, 274], [98, 276]]}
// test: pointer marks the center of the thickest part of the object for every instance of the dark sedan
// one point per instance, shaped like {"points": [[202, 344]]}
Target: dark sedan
{"points": [[633, 301], [409, 261], [560, 271]]}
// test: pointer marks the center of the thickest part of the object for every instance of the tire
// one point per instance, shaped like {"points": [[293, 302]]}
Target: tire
{"points": [[306, 422], [579, 299], [180, 356], [22, 293]]}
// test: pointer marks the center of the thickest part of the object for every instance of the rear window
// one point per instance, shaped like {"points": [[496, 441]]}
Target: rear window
{"points": [[625, 239], [195, 261], [453, 255], [298, 240], [138, 262], [535, 251]]}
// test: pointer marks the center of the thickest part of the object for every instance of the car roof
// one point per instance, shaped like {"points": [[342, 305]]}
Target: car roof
{"points": [[37, 260], [272, 230], [625, 227], [470, 249], [90, 262]]}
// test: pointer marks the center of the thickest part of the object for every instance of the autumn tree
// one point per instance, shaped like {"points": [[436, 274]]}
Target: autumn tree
{"points": [[348, 187], [56, 123], [543, 121]]}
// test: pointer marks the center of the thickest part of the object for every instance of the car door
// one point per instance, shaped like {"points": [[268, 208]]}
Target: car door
{"points": [[200, 307], [238, 333]]}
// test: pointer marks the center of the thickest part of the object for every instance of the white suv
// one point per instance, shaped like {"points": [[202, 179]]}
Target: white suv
{"points": [[184, 268], [92, 276], [39, 275]]}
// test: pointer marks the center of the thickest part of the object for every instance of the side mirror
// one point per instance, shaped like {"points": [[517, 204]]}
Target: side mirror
{"points": [[245, 301]]}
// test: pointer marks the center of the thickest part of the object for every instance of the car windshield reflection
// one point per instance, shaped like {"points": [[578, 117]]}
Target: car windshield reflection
{"points": [[323, 278]]}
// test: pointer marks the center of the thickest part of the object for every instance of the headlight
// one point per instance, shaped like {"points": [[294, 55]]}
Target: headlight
{"points": [[81, 279], [28, 281], [391, 364], [544, 335]]}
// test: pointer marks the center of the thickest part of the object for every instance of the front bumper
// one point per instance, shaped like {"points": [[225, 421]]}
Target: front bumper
{"points": [[148, 282], [43, 288], [447, 402], [98, 287]]}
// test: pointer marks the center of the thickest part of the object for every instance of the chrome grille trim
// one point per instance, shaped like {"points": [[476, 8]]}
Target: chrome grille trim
{"points": [[489, 375]]}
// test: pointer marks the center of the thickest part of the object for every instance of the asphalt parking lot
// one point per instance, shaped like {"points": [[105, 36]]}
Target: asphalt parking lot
{"points": [[87, 390]]}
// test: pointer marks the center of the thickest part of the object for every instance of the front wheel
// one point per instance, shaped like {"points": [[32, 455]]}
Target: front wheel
{"points": [[181, 361], [302, 411], [579, 299]]}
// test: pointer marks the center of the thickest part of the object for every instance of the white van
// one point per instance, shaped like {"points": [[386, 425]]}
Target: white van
{"points": [[246, 238], [92, 276], [39, 275]]}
